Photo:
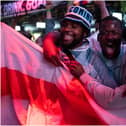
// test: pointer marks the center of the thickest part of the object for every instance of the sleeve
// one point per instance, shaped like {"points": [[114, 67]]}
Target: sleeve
{"points": [[103, 95]]}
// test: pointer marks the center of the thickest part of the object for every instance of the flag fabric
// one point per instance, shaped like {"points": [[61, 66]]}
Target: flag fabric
{"points": [[35, 92]]}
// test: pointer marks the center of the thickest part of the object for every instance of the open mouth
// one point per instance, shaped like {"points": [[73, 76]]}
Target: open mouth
{"points": [[110, 49], [110, 45], [68, 38]]}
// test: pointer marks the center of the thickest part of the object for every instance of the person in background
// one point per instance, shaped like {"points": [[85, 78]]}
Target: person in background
{"points": [[50, 23]]}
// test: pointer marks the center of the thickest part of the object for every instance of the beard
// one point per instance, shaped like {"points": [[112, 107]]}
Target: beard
{"points": [[70, 42], [72, 45]]}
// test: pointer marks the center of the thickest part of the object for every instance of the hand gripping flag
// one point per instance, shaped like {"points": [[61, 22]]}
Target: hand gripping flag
{"points": [[35, 92]]}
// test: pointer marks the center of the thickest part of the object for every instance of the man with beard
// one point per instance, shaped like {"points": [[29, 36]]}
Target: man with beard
{"points": [[109, 61], [75, 28], [113, 54]]}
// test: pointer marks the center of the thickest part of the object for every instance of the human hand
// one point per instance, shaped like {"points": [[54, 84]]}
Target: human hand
{"points": [[76, 68], [50, 50], [52, 55]]}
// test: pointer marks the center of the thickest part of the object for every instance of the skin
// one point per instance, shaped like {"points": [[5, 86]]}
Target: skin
{"points": [[76, 68], [70, 37], [110, 35], [72, 34], [67, 40], [110, 38]]}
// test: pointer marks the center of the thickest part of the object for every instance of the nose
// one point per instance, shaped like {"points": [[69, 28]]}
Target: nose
{"points": [[68, 28], [110, 35]]}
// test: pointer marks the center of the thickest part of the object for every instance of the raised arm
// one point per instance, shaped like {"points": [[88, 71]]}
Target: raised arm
{"points": [[50, 48], [102, 6], [50, 23]]}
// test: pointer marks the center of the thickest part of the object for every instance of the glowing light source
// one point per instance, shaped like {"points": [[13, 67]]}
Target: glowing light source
{"points": [[41, 25], [93, 30], [117, 14], [17, 28], [57, 25], [29, 28]]}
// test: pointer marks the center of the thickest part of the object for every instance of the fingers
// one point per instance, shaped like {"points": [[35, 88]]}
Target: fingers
{"points": [[55, 60], [75, 65], [76, 68], [53, 56]]}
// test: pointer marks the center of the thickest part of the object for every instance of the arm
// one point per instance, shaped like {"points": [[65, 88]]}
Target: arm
{"points": [[102, 6], [51, 51], [103, 95], [49, 19]]}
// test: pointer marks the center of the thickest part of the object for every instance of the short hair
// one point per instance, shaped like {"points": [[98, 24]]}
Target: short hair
{"points": [[112, 18]]}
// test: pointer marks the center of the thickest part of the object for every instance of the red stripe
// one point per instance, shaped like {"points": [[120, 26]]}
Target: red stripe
{"points": [[48, 97]]}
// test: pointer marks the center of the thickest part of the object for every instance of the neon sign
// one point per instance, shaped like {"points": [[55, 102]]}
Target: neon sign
{"points": [[20, 7]]}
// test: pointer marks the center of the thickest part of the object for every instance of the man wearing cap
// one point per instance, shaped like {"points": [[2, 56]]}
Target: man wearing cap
{"points": [[75, 27], [114, 56]]}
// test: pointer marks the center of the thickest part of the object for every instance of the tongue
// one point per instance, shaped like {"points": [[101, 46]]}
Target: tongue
{"points": [[68, 37], [110, 51]]}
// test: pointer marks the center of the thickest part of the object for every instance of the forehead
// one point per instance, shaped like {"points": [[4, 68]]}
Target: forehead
{"points": [[110, 24], [67, 21], [77, 25]]}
